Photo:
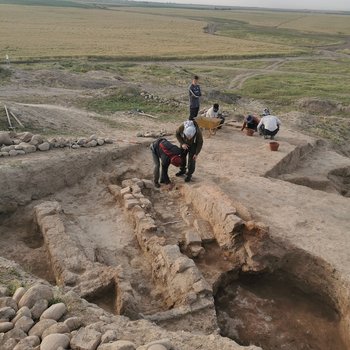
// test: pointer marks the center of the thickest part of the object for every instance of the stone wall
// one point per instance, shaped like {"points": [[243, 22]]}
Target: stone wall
{"points": [[185, 289], [246, 241]]}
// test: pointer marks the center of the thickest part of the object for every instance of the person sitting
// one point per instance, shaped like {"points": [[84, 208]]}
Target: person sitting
{"points": [[251, 122], [269, 125], [164, 153], [190, 138], [214, 112]]}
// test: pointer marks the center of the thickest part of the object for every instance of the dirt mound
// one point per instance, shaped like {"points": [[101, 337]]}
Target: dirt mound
{"points": [[317, 106], [57, 78], [222, 96]]}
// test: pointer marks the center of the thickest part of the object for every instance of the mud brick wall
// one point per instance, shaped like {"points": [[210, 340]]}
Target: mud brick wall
{"points": [[70, 265], [214, 206], [177, 274]]}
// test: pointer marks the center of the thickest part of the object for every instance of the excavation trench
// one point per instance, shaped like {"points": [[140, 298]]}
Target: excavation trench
{"points": [[316, 166], [185, 257]]}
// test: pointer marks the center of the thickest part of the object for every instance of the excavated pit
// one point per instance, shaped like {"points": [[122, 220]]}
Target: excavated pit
{"points": [[317, 167], [167, 254], [22, 242], [273, 312]]}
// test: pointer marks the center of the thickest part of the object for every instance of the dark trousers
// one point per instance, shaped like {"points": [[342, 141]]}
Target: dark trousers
{"points": [[266, 132], [158, 170], [252, 126], [191, 163], [193, 112]]}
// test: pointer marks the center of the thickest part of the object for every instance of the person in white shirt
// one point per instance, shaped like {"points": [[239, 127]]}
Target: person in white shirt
{"points": [[269, 125], [214, 112]]}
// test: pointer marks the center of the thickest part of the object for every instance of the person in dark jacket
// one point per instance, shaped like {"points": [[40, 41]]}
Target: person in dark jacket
{"points": [[194, 92], [164, 153], [251, 122], [190, 138]]}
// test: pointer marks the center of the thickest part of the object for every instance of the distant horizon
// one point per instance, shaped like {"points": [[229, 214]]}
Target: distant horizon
{"points": [[320, 5]]}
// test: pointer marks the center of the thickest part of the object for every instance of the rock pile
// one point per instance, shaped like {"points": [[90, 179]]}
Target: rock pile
{"points": [[148, 96], [27, 322], [14, 144], [154, 134]]}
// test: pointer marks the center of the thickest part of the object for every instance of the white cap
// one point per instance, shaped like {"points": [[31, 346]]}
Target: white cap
{"points": [[189, 129]]}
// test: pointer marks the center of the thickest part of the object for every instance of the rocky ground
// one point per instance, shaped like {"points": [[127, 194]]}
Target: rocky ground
{"points": [[301, 192]]}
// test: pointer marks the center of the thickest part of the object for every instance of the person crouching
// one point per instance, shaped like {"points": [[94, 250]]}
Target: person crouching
{"points": [[164, 153], [269, 125]]}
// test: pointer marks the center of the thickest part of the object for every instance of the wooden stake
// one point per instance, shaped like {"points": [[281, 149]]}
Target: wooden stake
{"points": [[8, 117], [16, 119], [148, 115]]}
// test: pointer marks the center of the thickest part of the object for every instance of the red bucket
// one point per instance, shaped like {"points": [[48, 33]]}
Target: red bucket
{"points": [[274, 145], [249, 132]]}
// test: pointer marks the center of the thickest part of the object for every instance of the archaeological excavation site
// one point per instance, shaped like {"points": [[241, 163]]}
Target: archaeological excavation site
{"points": [[93, 256]]}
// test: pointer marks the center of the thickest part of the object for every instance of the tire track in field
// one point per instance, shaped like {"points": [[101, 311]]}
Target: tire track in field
{"points": [[238, 81]]}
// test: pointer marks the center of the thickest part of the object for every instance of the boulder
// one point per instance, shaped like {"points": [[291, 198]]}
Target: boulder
{"points": [[23, 311], [54, 341], [100, 142], [35, 293], [20, 153], [36, 140], [54, 312], [7, 313], [13, 153], [25, 323], [57, 328], [18, 294], [5, 326], [7, 148], [40, 327], [85, 339], [92, 143], [9, 344], [109, 336], [107, 140], [26, 137], [4, 154], [27, 148], [5, 138], [118, 345], [27, 343], [73, 323], [157, 347], [38, 308], [164, 342], [8, 301], [82, 141], [45, 146], [14, 333]]}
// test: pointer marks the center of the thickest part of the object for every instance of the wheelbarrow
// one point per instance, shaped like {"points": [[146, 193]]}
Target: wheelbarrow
{"points": [[210, 124]]}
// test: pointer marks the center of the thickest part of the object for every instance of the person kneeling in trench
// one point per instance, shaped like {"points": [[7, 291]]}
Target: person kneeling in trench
{"points": [[164, 153], [190, 138]]}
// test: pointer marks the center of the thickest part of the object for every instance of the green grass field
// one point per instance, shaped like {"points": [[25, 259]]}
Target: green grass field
{"points": [[276, 57]]}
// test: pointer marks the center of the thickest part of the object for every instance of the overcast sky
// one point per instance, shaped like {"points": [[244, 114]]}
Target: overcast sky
{"points": [[343, 5]]}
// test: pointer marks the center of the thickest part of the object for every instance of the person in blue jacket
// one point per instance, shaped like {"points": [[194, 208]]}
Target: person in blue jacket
{"points": [[194, 92]]}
